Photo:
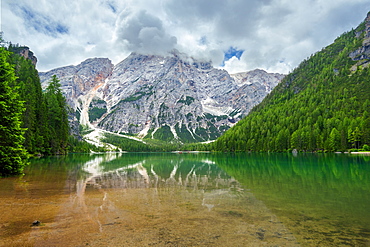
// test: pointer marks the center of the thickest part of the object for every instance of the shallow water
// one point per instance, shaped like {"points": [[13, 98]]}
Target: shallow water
{"points": [[188, 200]]}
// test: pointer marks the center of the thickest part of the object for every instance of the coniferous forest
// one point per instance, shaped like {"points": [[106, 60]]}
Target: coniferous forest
{"points": [[13, 155], [323, 105], [33, 122]]}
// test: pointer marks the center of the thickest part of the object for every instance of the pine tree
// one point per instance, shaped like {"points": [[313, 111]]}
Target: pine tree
{"points": [[30, 91], [57, 117], [13, 155]]}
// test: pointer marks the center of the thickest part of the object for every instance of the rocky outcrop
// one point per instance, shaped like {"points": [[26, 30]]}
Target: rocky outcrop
{"points": [[173, 97], [253, 88], [362, 54], [80, 83], [25, 52]]}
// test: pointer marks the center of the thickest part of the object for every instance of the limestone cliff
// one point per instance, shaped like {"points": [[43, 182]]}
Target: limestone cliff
{"points": [[362, 54], [173, 97]]}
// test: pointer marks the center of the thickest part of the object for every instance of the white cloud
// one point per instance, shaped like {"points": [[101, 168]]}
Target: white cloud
{"points": [[274, 34], [142, 32], [235, 65]]}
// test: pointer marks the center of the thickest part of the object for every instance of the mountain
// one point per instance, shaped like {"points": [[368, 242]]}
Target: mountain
{"points": [[323, 105], [173, 97]]}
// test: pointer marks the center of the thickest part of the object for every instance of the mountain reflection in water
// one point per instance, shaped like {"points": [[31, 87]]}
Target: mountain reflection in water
{"points": [[157, 172], [163, 199], [172, 199], [201, 176]]}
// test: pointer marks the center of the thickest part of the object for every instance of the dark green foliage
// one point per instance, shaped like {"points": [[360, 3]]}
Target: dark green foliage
{"points": [[189, 116], [96, 113], [147, 90], [183, 133], [164, 114], [126, 144], [45, 117], [13, 155], [79, 146], [202, 132], [223, 128], [97, 101], [57, 118], [162, 146], [149, 134], [187, 101], [209, 133], [97, 108], [35, 114], [78, 114], [208, 115], [163, 133], [130, 145], [321, 106], [213, 131]]}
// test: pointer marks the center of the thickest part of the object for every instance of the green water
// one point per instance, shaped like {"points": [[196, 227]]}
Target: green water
{"points": [[221, 199], [323, 199]]}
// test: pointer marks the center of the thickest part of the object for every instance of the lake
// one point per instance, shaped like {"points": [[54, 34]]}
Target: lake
{"points": [[188, 199]]}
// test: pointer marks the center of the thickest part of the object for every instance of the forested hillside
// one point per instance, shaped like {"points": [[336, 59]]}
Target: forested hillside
{"points": [[45, 118], [32, 121], [323, 105], [12, 153]]}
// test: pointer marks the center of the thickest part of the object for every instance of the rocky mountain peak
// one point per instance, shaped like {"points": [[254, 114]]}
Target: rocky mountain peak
{"points": [[367, 27], [259, 76], [170, 97]]}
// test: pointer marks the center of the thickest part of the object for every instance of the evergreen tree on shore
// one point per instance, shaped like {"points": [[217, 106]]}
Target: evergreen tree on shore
{"points": [[57, 117], [45, 118], [34, 118], [13, 155]]}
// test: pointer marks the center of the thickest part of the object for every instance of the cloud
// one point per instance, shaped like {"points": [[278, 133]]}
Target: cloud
{"points": [[142, 32], [235, 65], [40, 22], [275, 35]]}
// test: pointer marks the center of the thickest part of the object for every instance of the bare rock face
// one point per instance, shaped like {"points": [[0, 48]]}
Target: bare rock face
{"points": [[253, 88], [80, 83], [362, 54], [173, 97], [25, 52]]}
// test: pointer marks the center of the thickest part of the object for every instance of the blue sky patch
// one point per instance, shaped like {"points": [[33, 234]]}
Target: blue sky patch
{"points": [[42, 23], [232, 52]]}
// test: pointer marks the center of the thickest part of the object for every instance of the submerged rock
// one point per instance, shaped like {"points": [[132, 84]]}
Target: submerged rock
{"points": [[36, 223]]}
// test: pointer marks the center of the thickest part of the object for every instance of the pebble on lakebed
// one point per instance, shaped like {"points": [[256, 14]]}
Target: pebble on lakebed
{"points": [[36, 223]]}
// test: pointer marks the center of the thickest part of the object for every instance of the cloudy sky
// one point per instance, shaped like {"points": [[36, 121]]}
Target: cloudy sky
{"points": [[238, 35]]}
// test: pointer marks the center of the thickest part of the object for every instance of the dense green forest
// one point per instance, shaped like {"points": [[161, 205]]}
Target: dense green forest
{"points": [[323, 105], [33, 121], [13, 156], [45, 117]]}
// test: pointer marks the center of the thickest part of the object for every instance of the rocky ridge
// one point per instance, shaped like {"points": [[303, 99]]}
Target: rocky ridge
{"points": [[362, 54], [173, 97]]}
